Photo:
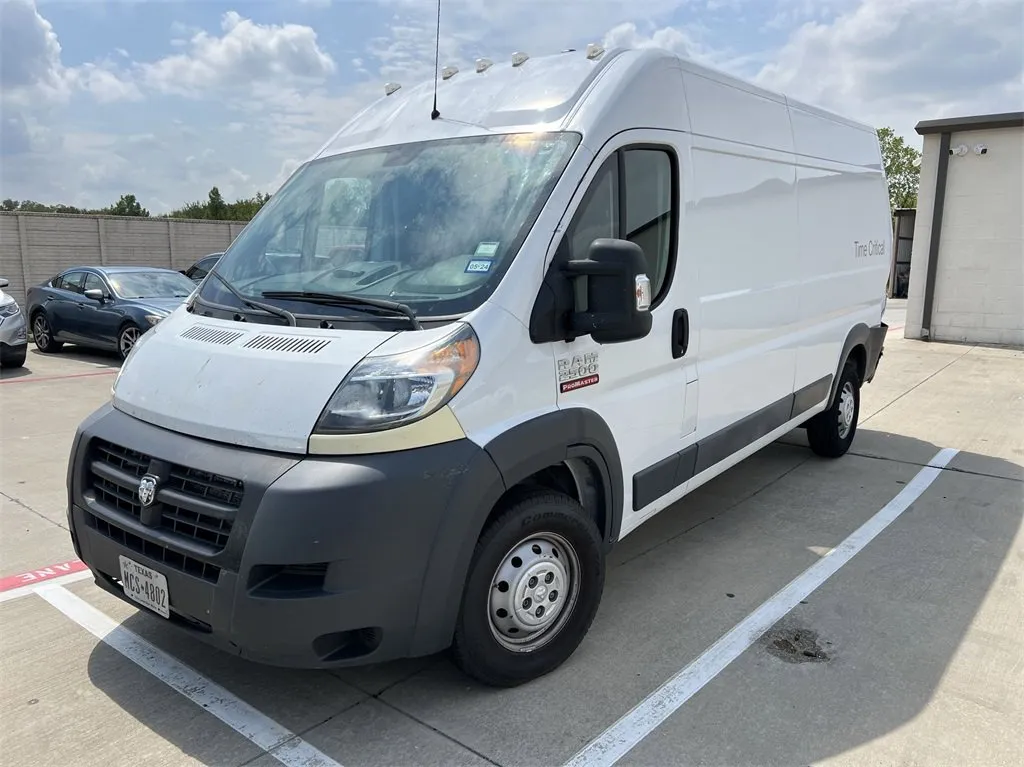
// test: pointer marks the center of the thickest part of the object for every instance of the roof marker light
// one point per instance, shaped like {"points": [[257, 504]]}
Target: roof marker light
{"points": [[449, 72], [482, 65], [594, 51], [518, 58], [390, 88]]}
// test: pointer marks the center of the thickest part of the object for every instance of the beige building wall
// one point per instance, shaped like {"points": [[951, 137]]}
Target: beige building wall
{"points": [[36, 246], [977, 290]]}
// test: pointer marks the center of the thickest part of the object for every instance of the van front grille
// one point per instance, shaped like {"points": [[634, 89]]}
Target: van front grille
{"points": [[189, 503]]}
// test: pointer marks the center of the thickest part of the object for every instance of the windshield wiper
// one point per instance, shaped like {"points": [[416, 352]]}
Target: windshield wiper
{"points": [[284, 314], [347, 300]]}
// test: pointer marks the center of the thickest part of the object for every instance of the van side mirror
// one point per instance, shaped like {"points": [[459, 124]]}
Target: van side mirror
{"points": [[4, 283], [613, 304]]}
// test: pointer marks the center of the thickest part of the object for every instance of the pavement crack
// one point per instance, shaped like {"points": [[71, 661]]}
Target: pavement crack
{"points": [[26, 507], [442, 733], [952, 469], [725, 511], [404, 678], [918, 384], [300, 734]]}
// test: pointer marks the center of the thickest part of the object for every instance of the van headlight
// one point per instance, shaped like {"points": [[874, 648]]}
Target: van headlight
{"points": [[394, 390]]}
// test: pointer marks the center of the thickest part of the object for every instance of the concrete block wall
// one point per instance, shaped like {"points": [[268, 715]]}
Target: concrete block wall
{"points": [[979, 286], [36, 246]]}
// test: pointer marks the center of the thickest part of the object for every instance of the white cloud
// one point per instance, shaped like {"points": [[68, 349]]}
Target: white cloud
{"points": [[104, 84], [32, 75], [245, 52], [890, 63], [267, 94], [30, 64]]}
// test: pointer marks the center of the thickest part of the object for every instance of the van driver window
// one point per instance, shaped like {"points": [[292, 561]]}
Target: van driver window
{"points": [[598, 216], [641, 212], [648, 196]]}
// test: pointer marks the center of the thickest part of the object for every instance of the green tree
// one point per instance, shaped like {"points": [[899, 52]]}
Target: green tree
{"points": [[902, 169], [128, 206], [216, 207], [213, 207]]}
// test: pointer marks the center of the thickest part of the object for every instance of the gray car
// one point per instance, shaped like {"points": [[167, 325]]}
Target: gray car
{"points": [[13, 330]]}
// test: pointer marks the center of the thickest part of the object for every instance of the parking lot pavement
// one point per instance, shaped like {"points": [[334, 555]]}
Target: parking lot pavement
{"points": [[913, 642]]}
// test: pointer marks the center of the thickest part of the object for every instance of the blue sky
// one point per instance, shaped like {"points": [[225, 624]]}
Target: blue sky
{"points": [[166, 98]]}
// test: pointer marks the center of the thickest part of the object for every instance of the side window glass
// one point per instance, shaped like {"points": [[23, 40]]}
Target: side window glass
{"points": [[201, 268], [71, 281], [92, 282], [598, 215], [648, 210]]}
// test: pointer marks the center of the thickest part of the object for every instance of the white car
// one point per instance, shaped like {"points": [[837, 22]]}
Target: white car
{"points": [[13, 330], [514, 331]]}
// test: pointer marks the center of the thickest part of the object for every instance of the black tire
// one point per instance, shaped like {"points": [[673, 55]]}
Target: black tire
{"points": [[545, 521], [14, 358], [42, 334], [127, 337], [831, 432]]}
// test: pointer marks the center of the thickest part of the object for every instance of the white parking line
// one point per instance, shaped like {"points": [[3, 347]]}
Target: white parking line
{"points": [[627, 732], [281, 743]]}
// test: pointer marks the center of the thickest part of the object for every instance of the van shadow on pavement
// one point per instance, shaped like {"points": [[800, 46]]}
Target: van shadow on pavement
{"points": [[895, 617]]}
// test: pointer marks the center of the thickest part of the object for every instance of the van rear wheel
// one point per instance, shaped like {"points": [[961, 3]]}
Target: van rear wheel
{"points": [[532, 592], [831, 432]]}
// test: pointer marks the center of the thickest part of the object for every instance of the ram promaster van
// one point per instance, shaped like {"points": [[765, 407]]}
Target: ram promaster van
{"points": [[460, 354]]}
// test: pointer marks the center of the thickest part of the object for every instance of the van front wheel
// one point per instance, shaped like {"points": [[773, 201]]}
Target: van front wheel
{"points": [[831, 432], [533, 589]]}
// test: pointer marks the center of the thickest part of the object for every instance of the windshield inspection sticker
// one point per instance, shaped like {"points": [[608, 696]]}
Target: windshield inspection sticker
{"points": [[478, 265], [486, 250], [578, 371]]}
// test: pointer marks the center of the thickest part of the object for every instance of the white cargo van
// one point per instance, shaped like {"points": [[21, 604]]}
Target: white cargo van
{"points": [[457, 357]]}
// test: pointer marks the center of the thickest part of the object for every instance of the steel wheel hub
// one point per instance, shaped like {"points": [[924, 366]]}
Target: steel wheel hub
{"points": [[846, 407], [533, 592]]}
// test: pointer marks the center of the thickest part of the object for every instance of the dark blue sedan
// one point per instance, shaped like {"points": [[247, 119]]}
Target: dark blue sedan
{"points": [[105, 307]]}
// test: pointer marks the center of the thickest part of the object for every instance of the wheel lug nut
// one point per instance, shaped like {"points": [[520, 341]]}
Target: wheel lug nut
{"points": [[533, 581], [553, 596], [540, 611], [527, 603], [549, 577]]}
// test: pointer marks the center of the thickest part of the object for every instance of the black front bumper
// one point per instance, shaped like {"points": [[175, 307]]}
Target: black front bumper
{"points": [[303, 562]]}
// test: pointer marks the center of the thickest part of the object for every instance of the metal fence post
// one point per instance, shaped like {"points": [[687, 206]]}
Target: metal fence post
{"points": [[23, 252], [170, 242]]}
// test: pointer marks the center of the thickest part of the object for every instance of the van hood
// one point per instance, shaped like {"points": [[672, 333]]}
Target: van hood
{"points": [[158, 305], [259, 386]]}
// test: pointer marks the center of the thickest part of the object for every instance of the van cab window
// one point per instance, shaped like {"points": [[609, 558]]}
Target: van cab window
{"points": [[433, 225], [632, 197]]}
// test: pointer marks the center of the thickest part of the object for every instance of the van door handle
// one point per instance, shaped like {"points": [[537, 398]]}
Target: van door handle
{"points": [[680, 333]]}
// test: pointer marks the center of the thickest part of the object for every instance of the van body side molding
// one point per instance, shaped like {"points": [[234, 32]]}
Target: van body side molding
{"points": [[666, 475]]}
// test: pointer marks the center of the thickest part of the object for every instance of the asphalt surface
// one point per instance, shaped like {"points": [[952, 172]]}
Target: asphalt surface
{"points": [[909, 653]]}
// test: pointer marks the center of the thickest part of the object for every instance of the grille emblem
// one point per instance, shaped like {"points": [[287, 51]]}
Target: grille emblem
{"points": [[147, 490]]}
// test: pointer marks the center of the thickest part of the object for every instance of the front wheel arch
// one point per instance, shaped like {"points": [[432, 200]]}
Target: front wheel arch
{"points": [[53, 344]]}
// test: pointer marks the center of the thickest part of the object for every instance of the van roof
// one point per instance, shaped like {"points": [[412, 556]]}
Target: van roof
{"points": [[541, 93]]}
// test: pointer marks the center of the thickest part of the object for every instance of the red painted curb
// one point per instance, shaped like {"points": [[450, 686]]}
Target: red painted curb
{"points": [[26, 379], [42, 574]]}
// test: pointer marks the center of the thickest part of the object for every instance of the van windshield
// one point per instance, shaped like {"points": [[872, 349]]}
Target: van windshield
{"points": [[432, 225]]}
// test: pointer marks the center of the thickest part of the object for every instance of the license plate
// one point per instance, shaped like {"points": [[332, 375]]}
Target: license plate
{"points": [[145, 586]]}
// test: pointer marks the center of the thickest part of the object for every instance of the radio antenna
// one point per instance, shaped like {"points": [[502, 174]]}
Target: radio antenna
{"points": [[434, 114]]}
